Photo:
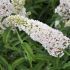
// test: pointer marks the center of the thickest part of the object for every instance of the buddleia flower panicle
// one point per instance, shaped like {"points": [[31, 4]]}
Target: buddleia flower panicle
{"points": [[15, 6], [63, 9], [51, 39], [6, 8], [19, 6]]}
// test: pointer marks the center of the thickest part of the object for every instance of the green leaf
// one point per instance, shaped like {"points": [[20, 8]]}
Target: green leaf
{"points": [[1, 68], [41, 57], [66, 65], [17, 62], [21, 67], [29, 52], [38, 66], [27, 48], [5, 63], [6, 35]]}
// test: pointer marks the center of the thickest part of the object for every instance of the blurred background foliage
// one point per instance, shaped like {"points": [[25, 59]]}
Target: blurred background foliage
{"points": [[19, 52], [42, 10]]}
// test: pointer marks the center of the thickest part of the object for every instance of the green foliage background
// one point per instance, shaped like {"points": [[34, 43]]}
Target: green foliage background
{"points": [[19, 52]]}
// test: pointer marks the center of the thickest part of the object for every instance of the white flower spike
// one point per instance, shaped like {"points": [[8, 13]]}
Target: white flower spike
{"points": [[18, 5], [6, 8], [63, 9], [15, 6], [51, 39]]}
